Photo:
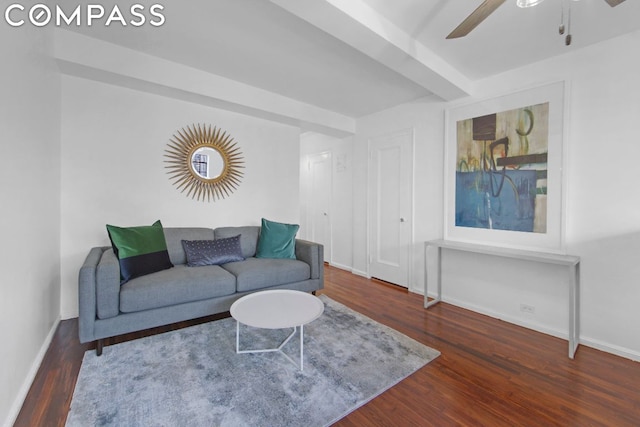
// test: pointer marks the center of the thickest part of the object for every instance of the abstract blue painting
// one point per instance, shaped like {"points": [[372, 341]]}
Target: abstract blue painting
{"points": [[501, 170]]}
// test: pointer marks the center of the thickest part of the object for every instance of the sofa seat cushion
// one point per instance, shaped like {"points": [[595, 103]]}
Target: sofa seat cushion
{"points": [[178, 285], [259, 273]]}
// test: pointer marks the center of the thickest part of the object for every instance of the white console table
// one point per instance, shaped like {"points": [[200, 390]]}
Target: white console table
{"points": [[433, 274]]}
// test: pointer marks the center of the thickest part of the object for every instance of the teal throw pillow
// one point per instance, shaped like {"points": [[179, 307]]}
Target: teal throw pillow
{"points": [[277, 240], [140, 250]]}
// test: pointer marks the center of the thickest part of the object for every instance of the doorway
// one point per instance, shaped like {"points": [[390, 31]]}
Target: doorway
{"points": [[319, 200], [390, 207]]}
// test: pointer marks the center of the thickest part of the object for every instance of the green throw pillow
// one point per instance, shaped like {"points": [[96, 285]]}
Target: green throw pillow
{"points": [[277, 240], [140, 250]]}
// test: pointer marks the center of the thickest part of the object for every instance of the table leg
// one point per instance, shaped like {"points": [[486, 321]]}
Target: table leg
{"points": [[237, 337], [574, 309], [301, 347], [432, 273], [279, 348]]}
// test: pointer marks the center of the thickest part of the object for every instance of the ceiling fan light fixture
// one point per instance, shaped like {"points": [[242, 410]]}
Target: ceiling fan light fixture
{"points": [[528, 3]]}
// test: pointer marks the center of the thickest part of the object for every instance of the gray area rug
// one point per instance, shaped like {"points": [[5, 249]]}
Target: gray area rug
{"points": [[193, 376]]}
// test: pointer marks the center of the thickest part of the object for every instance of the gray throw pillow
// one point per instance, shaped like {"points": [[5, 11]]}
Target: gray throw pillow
{"points": [[212, 252]]}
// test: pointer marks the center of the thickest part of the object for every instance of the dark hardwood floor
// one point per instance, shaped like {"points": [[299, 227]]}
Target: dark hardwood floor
{"points": [[490, 373]]}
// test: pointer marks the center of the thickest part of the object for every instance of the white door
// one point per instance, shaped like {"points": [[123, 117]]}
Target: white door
{"points": [[319, 201], [390, 209]]}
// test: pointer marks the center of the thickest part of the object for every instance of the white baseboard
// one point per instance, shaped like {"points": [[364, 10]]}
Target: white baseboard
{"points": [[360, 273], [510, 319], [610, 348], [586, 341], [31, 375], [416, 290], [340, 266]]}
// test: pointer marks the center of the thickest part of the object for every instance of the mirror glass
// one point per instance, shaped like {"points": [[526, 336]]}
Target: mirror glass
{"points": [[207, 163]]}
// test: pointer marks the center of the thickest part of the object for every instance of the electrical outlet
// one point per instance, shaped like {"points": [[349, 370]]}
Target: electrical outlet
{"points": [[527, 308]]}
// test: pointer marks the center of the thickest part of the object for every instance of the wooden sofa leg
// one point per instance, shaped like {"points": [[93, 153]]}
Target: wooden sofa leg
{"points": [[99, 344]]}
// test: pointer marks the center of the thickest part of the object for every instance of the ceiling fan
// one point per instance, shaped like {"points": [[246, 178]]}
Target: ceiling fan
{"points": [[488, 7]]}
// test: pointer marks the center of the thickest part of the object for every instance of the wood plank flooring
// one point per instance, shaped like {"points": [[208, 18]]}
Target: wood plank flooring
{"points": [[490, 373]]}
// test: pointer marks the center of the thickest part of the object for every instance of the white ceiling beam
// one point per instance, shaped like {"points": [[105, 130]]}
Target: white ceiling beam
{"points": [[94, 59], [357, 24]]}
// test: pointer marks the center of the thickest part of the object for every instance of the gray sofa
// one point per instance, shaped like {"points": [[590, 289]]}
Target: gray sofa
{"points": [[107, 308]]}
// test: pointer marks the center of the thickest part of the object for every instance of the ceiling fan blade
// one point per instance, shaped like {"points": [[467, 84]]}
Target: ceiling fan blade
{"points": [[477, 16], [614, 3]]}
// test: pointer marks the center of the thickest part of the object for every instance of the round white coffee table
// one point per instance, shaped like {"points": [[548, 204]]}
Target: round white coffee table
{"points": [[277, 309]]}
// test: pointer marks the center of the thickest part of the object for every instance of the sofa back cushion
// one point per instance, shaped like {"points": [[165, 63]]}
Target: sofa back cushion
{"points": [[248, 237], [174, 237]]}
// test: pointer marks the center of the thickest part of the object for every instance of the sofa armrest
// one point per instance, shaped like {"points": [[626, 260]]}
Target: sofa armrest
{"points": [[108, 285], [87, 294], [313, 254]]}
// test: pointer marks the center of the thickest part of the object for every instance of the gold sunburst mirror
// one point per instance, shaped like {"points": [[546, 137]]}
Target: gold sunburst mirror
{"points": [[204, 162]]}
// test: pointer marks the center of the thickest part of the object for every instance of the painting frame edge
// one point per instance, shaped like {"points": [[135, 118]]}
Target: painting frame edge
{"points": [[553, 240]]}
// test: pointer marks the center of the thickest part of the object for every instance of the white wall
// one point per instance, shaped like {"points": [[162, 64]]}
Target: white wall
{"points": [[341, 208], [601, 195], [29, 200], [602, 205], [113, 170]]}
